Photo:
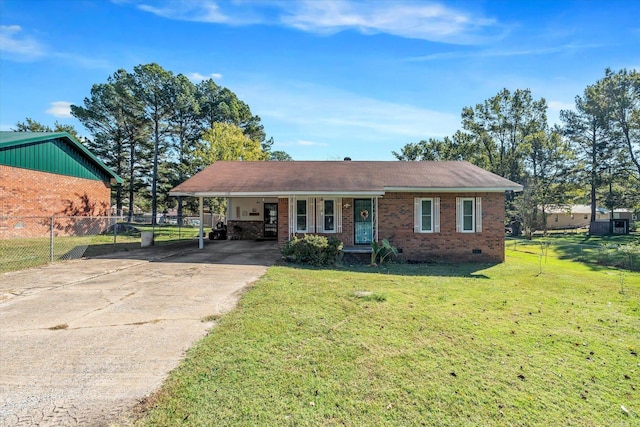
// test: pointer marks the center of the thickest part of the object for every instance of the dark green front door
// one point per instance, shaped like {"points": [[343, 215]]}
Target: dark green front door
{"points": [[363, 226]]}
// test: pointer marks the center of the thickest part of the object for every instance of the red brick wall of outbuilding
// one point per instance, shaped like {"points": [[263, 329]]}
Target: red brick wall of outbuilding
{"points": [[29, 193]]}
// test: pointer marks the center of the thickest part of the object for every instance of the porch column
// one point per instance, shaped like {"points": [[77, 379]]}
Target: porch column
{"points": [[201, 209], [375, 208], [292, 217]]}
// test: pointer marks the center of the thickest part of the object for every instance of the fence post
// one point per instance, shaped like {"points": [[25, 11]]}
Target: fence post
{"points": [[51, 239]]}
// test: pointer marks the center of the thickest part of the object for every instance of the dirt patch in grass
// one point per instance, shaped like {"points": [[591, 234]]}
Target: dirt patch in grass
{"points": [[210, 318]]}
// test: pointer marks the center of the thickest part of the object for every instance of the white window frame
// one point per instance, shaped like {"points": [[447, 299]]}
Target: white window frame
{"points": [[476, 214], [464, 215], [314, 215], [306, 215], [435, 214], [324, 216], [337, 215]]}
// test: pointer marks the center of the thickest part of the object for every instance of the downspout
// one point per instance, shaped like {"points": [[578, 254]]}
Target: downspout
{"points": [[292, 217]]}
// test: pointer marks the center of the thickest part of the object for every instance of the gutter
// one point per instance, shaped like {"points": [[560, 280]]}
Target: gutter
{"points": [[516, 188], [276, 193]]}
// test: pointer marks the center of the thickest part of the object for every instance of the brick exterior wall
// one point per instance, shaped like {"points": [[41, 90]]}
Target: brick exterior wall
{"points": [[395, 223], [29, 193]]}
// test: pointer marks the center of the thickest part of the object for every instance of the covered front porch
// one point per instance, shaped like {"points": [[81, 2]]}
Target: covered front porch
{"points": [[351, 218]]}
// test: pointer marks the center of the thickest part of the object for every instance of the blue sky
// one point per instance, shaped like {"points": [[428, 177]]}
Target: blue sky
{"points": [[328, 78]]}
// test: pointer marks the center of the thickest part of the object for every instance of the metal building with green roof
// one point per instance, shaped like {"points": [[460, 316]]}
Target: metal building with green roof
{"points": [[45, 174], [58, 153]]}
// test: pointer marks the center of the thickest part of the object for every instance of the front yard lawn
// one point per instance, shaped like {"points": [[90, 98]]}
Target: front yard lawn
{"points": [[617, 251], [418, 345]]}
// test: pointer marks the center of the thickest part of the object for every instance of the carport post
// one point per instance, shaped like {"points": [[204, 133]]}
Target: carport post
{"points": [[201, 203]]}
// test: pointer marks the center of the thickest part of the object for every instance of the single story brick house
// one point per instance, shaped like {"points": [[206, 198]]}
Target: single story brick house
{"points": [[451, 211], [47, 174]]}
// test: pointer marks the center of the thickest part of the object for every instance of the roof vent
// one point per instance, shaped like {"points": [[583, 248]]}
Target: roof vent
{"points": [[347, 159]]}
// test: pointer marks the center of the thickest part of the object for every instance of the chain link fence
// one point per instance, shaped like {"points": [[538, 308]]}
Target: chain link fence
{"points": [[624, 255], [31, 241]]}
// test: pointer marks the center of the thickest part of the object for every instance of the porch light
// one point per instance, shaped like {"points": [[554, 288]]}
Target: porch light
{"points": [[346, 206]]}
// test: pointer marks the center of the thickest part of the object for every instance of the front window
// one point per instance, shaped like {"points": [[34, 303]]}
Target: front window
{"points": [[426, 215], [329, 215], [468, 215], [301, 216]]}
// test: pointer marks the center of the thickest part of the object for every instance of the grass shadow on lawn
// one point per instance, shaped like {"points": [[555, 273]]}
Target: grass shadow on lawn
{"points": [[596, 252], [468, 270]]}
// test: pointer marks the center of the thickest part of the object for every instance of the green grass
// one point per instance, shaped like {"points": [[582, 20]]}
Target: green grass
{"points": [[418, 345], [600, 250]]}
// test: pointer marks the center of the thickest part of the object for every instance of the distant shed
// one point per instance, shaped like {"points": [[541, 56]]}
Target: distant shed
{"points": [[44, 174]]}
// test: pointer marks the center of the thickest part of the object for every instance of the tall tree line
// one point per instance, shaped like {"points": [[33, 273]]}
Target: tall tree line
{"points": [[152, 127], [593, 156], [30, 125]]}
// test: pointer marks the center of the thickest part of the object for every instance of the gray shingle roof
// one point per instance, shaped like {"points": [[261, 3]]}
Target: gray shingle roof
{"points": [[231, 178]]}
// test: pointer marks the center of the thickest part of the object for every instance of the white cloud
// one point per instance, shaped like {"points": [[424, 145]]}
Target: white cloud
{"points": [[84, 61], [403, 18], [18, 46], [417, 20], [197, 77], [198, 11], [300, 114], [332, 108], [504, 52], [304, 143], [61, 109]]}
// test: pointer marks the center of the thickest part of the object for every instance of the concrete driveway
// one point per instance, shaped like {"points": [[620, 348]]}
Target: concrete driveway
{"points": [[82, 342]]}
